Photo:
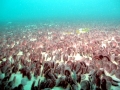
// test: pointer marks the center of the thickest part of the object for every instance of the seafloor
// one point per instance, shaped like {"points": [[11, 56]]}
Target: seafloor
{"points": [[59, 56]]}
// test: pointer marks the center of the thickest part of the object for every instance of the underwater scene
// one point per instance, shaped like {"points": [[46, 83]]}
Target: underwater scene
{"points": [[59, 44]]}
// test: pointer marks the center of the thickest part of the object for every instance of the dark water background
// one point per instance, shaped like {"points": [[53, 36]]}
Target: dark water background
{"points": [[59, 10]]}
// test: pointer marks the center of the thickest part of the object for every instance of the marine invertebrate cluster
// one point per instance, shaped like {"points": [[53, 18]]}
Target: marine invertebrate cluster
{"points": [[62, 59]]}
